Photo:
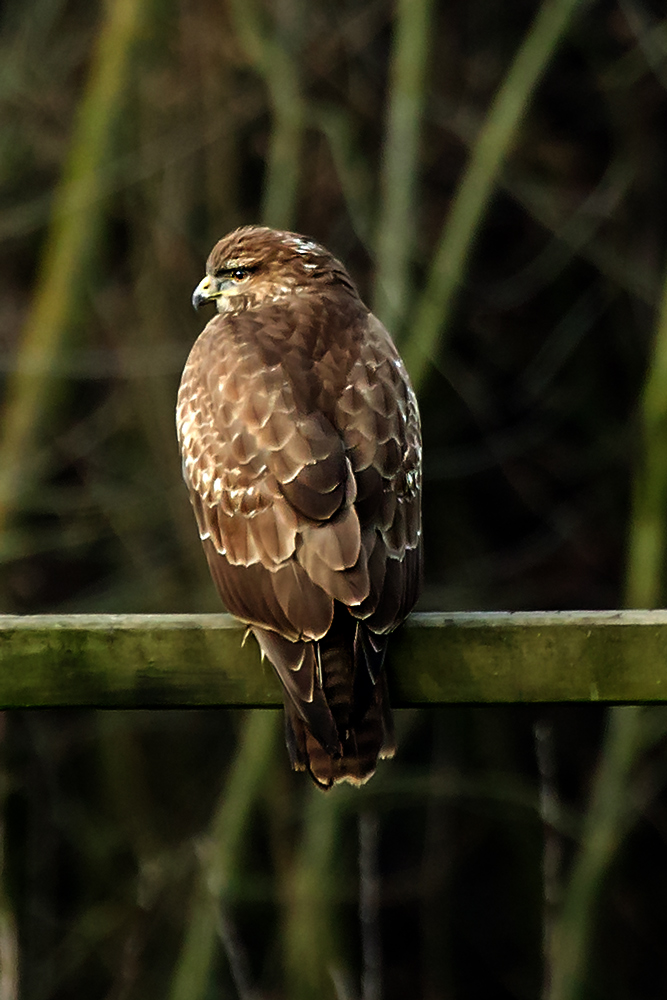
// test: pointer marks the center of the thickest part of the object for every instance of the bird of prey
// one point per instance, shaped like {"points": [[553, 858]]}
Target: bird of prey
{"points": [[301, 446]]}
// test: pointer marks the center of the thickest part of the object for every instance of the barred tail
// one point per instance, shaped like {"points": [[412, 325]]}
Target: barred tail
{"points": [[363, 722], [337, 715]]}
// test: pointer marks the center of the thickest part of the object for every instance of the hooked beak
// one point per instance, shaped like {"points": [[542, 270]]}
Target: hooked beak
{"points": [[206, 291]]}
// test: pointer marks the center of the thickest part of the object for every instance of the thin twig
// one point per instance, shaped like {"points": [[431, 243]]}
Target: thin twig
{"points": [[551, 851], [369, 905], [9, 948], [237, 957]]}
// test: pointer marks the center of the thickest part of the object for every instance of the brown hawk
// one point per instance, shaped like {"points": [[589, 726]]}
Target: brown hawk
{"points": [[301, 447]]}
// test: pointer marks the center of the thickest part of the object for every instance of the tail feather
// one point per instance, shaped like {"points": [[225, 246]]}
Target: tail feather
{"points": [[369, 739], [343, 725]]}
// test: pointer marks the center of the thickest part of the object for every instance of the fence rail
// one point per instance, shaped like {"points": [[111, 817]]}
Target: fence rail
{"points": [[143, 661]]}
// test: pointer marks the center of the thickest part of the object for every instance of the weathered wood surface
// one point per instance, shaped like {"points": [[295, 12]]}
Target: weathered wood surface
{"points": [[129, 661]]}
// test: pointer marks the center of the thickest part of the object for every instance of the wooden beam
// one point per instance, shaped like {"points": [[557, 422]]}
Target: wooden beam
{"points": [[142, 661]]}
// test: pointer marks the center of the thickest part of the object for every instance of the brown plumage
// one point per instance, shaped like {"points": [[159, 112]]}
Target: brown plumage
{"points": [[301, 447]]}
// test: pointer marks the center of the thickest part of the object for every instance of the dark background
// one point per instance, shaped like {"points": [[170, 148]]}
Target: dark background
{"points": [[133, 135]]}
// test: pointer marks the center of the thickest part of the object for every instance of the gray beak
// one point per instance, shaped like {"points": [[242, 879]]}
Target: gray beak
{"points": [[206, 291]]}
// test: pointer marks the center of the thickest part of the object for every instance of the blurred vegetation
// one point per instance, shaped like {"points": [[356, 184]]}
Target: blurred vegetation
{"points": [[493, 175]]}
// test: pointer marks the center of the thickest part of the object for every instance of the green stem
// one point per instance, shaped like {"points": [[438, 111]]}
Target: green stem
{"points": [[220, 854], [268, 51], [608, 818], [472, 197], [646, 551], [310, 947], [610, 813], [398, 209], [352, 167], [70, 247]]}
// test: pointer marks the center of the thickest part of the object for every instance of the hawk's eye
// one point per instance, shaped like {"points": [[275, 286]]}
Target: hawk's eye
{"points": [[239, 273]]}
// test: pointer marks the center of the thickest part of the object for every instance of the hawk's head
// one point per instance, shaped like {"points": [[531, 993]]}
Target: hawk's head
{"points": [[254, 265]]}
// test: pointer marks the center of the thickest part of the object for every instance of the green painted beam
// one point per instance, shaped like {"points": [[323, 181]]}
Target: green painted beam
{"points": [[143, 661]]}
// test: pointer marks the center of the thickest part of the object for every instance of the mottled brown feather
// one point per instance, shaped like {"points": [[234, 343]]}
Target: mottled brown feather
{"points": [[300, 439]]}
